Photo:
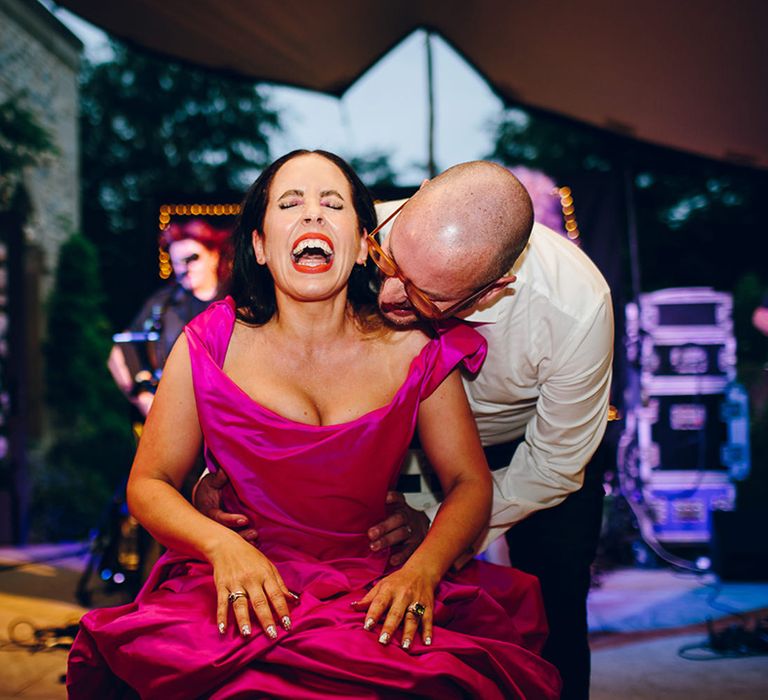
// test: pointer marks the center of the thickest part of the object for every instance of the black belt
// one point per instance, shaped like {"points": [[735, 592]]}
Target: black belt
{"points": [[499, 456]]}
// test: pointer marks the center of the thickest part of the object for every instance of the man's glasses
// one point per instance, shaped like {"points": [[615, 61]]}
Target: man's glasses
{"points": [[421, 302]]}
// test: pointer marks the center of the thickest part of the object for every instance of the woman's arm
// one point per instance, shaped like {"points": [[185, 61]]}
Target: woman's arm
{"points": [[449, 438], [168, 448]]}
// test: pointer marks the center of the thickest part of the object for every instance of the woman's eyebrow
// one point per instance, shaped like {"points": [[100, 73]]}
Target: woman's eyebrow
{"points": [[328, 193], [291, 193]]}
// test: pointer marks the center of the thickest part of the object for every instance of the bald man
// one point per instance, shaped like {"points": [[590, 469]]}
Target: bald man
{"points": [[541, 397]]}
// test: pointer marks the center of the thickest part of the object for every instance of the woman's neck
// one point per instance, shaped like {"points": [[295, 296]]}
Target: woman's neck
{"points": [[313, 322]]}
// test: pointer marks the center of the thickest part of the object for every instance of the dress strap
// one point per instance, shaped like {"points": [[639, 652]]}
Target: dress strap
{"points": [[213, 329], [457, 343]]}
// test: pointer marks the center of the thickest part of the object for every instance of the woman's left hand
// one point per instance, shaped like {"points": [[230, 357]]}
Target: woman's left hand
{"points": [[406, 596]]}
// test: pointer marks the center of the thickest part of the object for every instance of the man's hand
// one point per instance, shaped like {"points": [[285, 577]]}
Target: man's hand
{"points": [[207, 499], [404, 529]]}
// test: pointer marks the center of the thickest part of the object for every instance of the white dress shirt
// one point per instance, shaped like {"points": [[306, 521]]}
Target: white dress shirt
{"points": [[547, 376]]}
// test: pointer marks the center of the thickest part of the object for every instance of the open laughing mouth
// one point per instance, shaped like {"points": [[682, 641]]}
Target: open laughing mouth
{"points": [[312, 253]]}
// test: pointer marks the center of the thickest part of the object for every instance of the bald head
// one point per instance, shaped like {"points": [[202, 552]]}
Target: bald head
{"points": [[462, 230], [476, 214]]}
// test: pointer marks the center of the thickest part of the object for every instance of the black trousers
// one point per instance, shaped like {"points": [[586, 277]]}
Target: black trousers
{"points": [[558, 546]]}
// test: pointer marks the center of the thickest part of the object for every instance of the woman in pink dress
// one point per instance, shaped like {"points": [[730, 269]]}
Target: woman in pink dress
{"points": [[296, 389]]}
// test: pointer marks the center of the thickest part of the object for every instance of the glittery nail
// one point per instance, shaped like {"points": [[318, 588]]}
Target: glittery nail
{"points": [[406, 644], [222, 627], [271, 632], [384, 638], [369, 623], [246, 630], [286, 622], [427, 641]]}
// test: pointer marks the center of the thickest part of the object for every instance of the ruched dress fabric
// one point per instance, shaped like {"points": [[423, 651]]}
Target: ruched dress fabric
{"points": [[312, 492]]}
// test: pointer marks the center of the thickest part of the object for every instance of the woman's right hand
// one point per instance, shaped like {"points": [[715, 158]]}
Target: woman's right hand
{"points": [[239, 567]]}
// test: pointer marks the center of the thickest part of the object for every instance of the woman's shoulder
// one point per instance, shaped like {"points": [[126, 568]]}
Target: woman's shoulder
{"points": [[408, 342], [211, 330], [450, 337]]}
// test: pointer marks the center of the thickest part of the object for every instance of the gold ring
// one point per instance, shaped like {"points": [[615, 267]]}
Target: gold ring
{"points": [[232, 597]]}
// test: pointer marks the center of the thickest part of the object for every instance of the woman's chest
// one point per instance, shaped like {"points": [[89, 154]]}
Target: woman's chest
{"points": [[318, 388]]}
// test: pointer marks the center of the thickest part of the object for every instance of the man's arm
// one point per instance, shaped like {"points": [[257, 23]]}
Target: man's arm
{"points": [[570, 420]]}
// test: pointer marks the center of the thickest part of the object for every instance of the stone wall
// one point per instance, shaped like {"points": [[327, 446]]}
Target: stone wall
{"points": [[39, 59]]}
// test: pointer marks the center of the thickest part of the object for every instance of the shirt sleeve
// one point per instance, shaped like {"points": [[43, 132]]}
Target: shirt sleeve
{"points": [[569, 423], [570, 420]]}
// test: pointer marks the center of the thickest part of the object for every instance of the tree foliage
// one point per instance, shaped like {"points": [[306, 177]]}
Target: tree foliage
{"points": [[23, 142], [698, 221], [91, 448], [152, 131], [374, 169]]}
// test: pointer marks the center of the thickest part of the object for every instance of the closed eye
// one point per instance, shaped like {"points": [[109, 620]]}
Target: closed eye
{"points": [[332, 199]]}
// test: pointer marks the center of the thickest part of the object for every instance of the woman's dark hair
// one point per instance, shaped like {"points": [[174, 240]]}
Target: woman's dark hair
{"points": [[253, 288], [212, 238]]}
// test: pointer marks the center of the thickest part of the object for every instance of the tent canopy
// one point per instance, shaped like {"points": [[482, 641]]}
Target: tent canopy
{"points": [[690, 75]]}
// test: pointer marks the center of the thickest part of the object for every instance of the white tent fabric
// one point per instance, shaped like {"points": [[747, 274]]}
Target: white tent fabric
{"points": [[689, 74]]}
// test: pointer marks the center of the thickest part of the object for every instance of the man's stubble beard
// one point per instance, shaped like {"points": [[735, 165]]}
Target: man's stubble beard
{"points": [[399, 321]]}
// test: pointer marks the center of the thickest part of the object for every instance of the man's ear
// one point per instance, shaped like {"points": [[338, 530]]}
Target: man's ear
{"points": [[258, 247], [496, 291]]}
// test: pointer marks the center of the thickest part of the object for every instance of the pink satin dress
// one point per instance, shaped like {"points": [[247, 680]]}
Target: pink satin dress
{"points": [[312, 492]]}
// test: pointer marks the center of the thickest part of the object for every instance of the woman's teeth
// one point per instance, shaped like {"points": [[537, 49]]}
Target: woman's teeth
{"points": [[312, 254], [316, 243]]}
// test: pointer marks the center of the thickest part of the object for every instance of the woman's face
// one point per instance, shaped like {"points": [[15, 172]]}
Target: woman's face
{"points": [[195, 266], [310, 240]]}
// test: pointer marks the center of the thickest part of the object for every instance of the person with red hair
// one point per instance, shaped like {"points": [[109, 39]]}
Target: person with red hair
{"points": [[201, 259]]}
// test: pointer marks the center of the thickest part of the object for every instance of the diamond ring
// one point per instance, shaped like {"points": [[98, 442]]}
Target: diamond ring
{"points": [[232, 597]]}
